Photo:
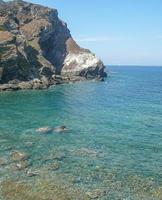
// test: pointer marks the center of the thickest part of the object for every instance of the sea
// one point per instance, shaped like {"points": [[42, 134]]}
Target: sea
{"points": [[112, 149]]}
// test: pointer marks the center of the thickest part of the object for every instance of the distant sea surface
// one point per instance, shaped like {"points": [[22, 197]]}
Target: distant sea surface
{"points": [[113, 149]]}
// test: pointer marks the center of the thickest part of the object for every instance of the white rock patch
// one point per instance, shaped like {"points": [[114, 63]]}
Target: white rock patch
{"points": [[81, 61]]}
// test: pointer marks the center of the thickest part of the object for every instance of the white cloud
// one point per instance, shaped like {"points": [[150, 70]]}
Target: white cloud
{"points": [[158, 37], [97, 39]]}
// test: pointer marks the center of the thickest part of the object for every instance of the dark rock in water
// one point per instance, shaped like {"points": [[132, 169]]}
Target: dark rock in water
{"points": [[100, 79], [60, 129], [36, 47]]}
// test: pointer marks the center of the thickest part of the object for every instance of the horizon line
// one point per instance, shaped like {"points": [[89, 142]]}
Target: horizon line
{"points": [[132, 65]]}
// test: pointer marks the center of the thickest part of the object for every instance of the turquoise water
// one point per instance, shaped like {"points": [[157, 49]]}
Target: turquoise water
{"points": [[114, 143]]}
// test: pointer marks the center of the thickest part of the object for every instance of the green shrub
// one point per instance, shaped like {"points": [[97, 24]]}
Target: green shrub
{"points": [[2, 27]]}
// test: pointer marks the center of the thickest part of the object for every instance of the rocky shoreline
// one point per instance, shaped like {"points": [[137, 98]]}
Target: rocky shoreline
{"points": [[37, 49], [40, 84]]}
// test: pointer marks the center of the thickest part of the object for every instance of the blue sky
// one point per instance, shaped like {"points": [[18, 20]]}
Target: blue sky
{"points": [[118, 31]]}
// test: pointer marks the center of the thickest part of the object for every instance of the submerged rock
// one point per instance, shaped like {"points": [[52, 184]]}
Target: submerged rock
{"points": [[60, 129], [3, 162], [31, 173], [55, 155], [47, 129], [86, 152], [37, 49], [96, 194], [29, 144], [44, 130], [21, 165], [54, 166], [19, 156]]}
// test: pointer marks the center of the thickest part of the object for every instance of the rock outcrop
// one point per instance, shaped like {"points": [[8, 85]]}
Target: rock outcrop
{"points": [[37, 49]]}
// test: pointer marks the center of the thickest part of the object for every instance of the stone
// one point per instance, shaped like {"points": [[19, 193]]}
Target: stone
{"points": [[8, 87], [26, 85]]}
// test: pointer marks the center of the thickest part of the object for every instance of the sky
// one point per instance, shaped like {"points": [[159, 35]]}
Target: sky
{"points": [[120, 32]]}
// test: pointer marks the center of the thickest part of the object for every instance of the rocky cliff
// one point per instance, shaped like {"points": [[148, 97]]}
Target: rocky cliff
{"points": [[37, 49]]}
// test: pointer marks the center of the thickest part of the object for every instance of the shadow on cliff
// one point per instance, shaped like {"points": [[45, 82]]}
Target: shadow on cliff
{"points": [[54, 46]]}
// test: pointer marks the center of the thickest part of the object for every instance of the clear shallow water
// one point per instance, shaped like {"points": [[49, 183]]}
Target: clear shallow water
{"points": [[112, 151]]}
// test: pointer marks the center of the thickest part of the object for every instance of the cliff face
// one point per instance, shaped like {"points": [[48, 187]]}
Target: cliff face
{"points": [[37, 49]]}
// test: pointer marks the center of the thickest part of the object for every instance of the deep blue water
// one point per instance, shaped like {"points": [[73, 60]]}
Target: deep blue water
{"points": [[115, 133]]}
